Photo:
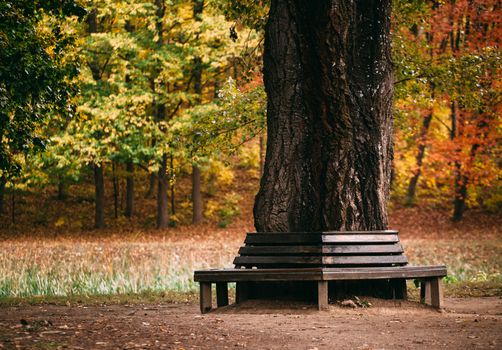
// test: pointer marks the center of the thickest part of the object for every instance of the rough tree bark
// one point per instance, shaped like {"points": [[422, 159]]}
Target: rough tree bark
{"points": [[99, 186], [328, 77]]}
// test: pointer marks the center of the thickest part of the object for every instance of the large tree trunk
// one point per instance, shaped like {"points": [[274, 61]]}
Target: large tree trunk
{"points": [[198, 7], [99, 186], [129, 210], [328, 77], [162, 214]]}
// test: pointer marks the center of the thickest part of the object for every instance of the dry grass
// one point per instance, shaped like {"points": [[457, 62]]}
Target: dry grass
{"points": [[142, 263], [107, 266]]}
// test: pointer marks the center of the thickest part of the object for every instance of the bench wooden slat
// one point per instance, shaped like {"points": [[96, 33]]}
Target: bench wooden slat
{"points": [[277, 260], [380, 232], [298, 238], [406, 272], [392, 248], [236, 275], [321, 273], [281, 250], [363, 238], [366, 260], [376, 232], [282, 238]]}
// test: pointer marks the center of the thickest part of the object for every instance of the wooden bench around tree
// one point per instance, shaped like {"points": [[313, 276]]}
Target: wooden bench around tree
{"points": [[320, 257]]}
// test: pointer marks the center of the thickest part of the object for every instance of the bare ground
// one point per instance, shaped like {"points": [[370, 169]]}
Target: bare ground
{"points": [[474, 323]]}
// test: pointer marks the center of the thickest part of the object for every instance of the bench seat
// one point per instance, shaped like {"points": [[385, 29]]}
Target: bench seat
{"points": [[429, 276], [320, 257]]}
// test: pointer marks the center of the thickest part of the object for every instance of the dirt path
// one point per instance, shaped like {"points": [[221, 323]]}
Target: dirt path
{"points": [[474, 323]]}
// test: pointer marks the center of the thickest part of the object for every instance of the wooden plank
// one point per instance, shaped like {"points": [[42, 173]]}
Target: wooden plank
{"points": [[283, 238], [378, 232], [322, 295], [315, 274], [221, 294], [407, 272], [392, 248], [277, 260], [316, 238], [360, 238], [330, 232], [364, 260], [280, 250], [367, 260], [205, 297], [235, 275]]}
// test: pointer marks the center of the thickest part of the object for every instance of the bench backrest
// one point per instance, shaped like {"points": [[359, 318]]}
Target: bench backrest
{"points": [[321, 249]]}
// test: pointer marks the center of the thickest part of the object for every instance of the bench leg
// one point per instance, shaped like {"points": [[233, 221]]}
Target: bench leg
{"points": [[221, 294], [399, 289], [436, 292], [322, 295], [205, 297], [241, 292], [425, 291]]}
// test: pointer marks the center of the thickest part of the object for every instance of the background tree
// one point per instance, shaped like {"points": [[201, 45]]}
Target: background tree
{"points": [[446, 82], [35, 76]]}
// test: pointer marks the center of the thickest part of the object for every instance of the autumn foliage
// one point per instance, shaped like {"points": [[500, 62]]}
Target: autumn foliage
{"points": [[449, 104], [167, 87]]}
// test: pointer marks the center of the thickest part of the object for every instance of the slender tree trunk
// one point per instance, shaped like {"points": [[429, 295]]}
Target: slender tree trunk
{"points": [[13, 205], [99, 185], [152, 181], [460, 185], [412, 186], [196, 196], [162, 214], [129, 189], [460, 195], [198, 6], [2, 194], [328, 77], [61, 188], [173, 192], [115, 190], [160, 114]]}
